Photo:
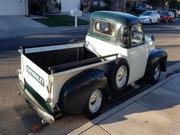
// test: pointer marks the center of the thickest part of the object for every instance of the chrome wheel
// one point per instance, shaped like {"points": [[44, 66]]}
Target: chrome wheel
{"points": [[95, 101], [157, 72], [121, 76]]}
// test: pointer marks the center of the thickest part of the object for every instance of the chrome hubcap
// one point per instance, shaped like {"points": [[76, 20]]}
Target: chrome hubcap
{"points": [[95, 101], [157, 72], [121, 76]]}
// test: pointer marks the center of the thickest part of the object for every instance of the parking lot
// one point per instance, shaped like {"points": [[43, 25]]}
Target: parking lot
{"points": [[17, 118]]}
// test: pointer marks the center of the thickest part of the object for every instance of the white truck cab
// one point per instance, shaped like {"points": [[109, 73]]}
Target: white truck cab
{"points": [[74, 78]]}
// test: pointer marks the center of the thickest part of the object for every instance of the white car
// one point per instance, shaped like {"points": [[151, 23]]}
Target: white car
{"points": [[149, 17]]}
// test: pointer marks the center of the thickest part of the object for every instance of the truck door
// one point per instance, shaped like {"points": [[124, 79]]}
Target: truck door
{"points": [[137, 53]]}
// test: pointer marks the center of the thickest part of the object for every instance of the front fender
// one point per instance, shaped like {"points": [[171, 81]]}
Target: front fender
{"points": [[76, 91], [157, 55]]}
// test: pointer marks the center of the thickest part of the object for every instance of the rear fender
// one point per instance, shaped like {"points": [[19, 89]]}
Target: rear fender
{"points": [[76, 91]]}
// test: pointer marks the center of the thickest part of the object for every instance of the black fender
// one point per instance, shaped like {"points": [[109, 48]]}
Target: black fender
{"points": [[157, 55], [76, 91]]}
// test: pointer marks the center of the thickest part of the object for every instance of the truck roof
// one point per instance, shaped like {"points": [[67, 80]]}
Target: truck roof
{"points": [[118, 17]]}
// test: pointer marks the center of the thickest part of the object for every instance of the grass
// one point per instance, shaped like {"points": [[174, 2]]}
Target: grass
{"points": [[61, 20]]}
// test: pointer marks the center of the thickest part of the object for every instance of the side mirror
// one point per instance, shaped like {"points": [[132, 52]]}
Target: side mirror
{"points": [[153, 38]]}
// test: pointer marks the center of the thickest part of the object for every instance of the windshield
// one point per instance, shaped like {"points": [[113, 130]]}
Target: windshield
{"points": [[146, 13]]}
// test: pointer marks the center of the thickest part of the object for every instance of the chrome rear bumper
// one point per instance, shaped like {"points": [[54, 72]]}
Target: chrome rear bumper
{"points": [[42, 113]]}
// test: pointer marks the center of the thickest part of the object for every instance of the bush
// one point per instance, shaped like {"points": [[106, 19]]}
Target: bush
{"points": [[37, 7], [34, 7]]}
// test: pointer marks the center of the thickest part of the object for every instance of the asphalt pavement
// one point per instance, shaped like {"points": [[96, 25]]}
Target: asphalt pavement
{"points": [[167, 36], [17, 118], [69, 36]]}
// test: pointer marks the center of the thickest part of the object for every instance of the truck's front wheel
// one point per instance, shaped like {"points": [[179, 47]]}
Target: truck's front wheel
{"points": [[94, 104], [154, 74]]}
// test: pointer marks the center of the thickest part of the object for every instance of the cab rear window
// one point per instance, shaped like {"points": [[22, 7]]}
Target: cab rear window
{"points": [[103, 27]]}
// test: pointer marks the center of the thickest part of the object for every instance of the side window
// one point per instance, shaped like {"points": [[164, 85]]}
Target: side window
{"points": [[106, 28], [136, 34]]}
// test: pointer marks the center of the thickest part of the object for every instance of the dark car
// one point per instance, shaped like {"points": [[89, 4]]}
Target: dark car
{"points": [[175, 11], [166, 16]]}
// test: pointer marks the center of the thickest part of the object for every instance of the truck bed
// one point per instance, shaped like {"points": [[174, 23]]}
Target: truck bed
{"points": [[47, 59]]}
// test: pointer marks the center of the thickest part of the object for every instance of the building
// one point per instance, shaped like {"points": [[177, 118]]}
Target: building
{"points": [[67, 5], [22, 7], [13, 7], [115, 5]]}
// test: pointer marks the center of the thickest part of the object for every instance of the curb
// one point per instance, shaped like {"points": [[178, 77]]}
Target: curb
{"points": [[109, 113]]}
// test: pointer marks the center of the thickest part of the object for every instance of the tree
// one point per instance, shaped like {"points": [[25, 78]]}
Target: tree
{"points": [[174, 4], [43, 4], [108, 4], [119, 5], [157, 3], [163, 3]]}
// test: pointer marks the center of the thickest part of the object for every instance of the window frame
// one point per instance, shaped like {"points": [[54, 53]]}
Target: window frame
{"points": [[143, 35], [106, 21], [120, 36]]}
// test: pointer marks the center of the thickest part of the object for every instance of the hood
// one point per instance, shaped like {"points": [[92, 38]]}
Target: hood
{"points": [[143, 17]]}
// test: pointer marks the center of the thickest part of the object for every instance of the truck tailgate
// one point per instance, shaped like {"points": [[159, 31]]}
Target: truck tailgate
{"points": [[35, 77]]}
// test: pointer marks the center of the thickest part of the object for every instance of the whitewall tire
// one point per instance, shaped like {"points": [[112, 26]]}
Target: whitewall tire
{"points": [[94, 104], [118, 76]]}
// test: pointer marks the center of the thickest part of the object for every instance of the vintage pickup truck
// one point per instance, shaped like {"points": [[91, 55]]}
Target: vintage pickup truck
{"points": [[76, 78]]}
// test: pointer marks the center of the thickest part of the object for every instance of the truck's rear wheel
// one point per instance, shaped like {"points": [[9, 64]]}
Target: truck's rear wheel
{"points": [[94, 104], [118, 76]]}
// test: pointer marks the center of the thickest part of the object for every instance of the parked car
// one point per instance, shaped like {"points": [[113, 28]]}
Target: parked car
{"points": [[149, 17], [175, 11], [178, 13], [75, 78], [172, 15], [166, 16]]}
